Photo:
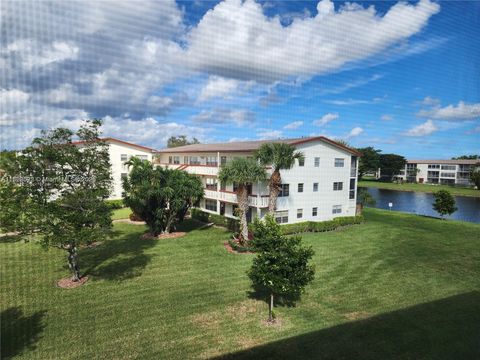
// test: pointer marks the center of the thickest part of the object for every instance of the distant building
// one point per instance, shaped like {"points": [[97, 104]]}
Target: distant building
{"points": [[449, 172], [321, 187]]}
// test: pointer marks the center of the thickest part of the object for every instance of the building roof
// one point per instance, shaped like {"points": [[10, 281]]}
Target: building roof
{"points": [[248, 146], [446, 162], [110, 139]]}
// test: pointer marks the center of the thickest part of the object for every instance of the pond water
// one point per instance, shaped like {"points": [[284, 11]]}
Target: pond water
{"points": [[421, 204]]}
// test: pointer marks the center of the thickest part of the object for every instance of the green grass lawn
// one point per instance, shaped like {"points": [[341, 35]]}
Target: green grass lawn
{"points": [[122, 213], [397, 286], [428, 188]]}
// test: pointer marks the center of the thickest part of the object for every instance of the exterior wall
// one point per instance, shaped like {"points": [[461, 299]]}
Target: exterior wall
{"points": [[118, 168], [325, 175], [435, 173]]}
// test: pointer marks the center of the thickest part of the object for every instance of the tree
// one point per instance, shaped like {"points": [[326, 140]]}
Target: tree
{"points": [[160, 196], [56, 190], [364, 198], [243, 172], [281, 156], [391, 164], [369, 162], [175, 141], [281, 266], [444, 203], [467, 157], [475, 176]]}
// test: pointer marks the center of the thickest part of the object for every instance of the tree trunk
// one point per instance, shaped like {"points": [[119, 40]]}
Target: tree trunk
{"points": [[274, 189], [73, 262], [242, 198], [270, 309]]}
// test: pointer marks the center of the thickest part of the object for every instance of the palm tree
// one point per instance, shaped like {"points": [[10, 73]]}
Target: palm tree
{"points": [[281, 156], [242, 171]]}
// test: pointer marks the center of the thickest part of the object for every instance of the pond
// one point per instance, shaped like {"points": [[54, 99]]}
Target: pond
{"points": [[421, 204]]}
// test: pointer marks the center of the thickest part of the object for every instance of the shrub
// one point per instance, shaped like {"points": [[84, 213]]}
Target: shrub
{"points": [[219, 220], [115, 204], [135, 217], [321, 226]]}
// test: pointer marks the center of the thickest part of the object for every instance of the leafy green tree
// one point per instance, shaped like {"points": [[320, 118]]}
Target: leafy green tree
{"points": [[369, 162], [175, 141], [281, 266], [391, 164], [280, 156], [364, 198], [475, 176], [160, 196], [466, 157], [243, 172], [444, 203], [57, 189]]}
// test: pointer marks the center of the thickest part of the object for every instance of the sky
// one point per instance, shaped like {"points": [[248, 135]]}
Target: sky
{"points": [[399, 76]]}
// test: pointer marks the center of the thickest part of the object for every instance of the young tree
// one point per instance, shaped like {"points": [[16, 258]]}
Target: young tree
{"points": [[281, 156], [444, 203], [369, 162], [243, 172], [160, 196], [391, 164], [281, 266], [475, 176], [175, 141], [57, 190]]}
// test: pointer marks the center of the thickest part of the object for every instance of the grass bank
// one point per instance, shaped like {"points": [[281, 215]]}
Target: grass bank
{"points": [[427, 188], [396, 286]]}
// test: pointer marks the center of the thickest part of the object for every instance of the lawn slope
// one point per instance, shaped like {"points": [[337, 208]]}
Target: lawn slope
{"points": [[398, 286]]}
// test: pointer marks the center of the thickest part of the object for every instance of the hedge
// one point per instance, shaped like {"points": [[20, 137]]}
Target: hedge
{"points": [[220, 220], [115, 204], [321, 226]]}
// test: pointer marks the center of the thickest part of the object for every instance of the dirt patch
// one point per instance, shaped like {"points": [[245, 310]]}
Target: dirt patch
{"points": [[150, 236], [357, 315], [128, 221], [207, 320], [231, 250], [275, 323], [68, 283]]}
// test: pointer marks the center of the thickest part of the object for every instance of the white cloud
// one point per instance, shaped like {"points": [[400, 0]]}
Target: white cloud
{"points": [[430, 101], [424, 129], [265, 134], [356, 131], [351, 85], [225, 116], [218, 87], [293, 125], [325, 119], [226, 37], [460, 112], [386, 117]]}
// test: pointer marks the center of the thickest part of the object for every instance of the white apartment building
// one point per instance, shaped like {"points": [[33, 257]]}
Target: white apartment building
{"points": [[449, 172], [120, 152], [320, 188]]}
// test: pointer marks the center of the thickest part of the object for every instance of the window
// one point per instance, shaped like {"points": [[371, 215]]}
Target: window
{"points": [[142, 157], [339, 162], [338, 186], [284, 190], [449, 175], [299, 213], [176, 159], [223, 160], [300, 187], [211, 183], [315, 187], [352, 189], [185, 159], [434, 166], [212, 161], [194, 160], [301, 162], [170, 159], [211, 204], [281, 217], [123, 176], [449, 167], [223, 186], [337, 209], [124, 157], [314, 211], [317, 162]]}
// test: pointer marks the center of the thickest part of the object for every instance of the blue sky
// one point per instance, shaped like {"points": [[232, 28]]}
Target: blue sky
{"points": [[402, 77]]}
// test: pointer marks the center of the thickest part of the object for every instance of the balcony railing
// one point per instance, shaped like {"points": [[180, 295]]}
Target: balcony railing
{"points": [[230, 197]]}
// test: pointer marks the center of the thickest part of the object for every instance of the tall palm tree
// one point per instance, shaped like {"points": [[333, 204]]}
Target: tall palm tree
{"points": [[281, 156], [242, 171]]}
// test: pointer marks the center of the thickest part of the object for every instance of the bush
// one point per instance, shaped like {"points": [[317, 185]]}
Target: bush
{"points": [[134, 217], [220, 220], [321, 226], [115, 204]]}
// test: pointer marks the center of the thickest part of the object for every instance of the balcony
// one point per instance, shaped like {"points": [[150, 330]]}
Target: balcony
{"points": [[231, 197], [353, 172], [194, 169]]}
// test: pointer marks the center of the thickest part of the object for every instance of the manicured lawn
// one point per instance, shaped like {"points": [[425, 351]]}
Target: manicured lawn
{"points": [[419, 187], [398, 286], [122, 213]]}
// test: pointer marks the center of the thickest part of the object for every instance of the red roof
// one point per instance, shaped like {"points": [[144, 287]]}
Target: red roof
{"points": [[110, 139]]}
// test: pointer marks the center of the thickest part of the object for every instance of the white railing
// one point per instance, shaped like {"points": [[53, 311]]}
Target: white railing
{"points": [[229, 197], [202, 170]]}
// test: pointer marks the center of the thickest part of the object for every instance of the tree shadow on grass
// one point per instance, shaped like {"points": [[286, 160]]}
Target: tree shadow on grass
{"points": [[121, 258], [9, 239], [262, 294], [444, 329], [19, 332]]}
